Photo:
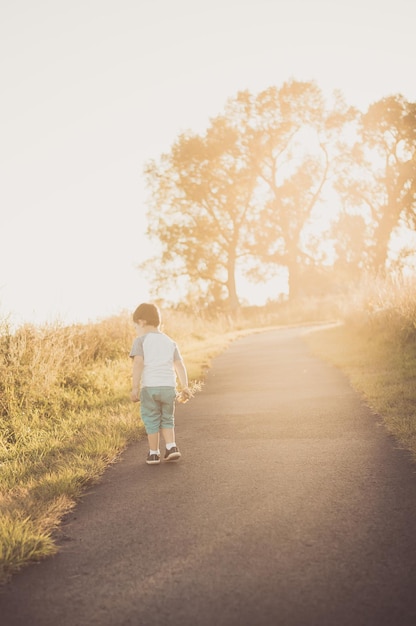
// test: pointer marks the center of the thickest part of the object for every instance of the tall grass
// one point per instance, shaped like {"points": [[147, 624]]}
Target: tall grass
{"points": [[376, 347], [387, 305], [64, 416]]}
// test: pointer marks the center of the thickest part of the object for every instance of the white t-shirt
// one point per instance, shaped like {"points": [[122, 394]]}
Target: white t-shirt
{"points": [[158, 352]]}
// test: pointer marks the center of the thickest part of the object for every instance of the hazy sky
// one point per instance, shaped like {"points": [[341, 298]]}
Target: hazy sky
{"points": [[93, 89]]}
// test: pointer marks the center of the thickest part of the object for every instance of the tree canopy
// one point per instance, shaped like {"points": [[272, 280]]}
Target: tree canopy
{"points": [[242, 196], [379, 177]]}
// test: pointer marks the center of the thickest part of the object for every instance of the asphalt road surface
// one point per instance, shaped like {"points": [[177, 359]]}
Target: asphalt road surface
{"points": [[291, 506]]}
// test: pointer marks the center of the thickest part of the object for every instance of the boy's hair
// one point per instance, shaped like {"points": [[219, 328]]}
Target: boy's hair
{"points": [[147, 312]]}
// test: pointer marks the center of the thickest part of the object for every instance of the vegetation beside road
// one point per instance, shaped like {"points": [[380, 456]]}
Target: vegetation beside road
{"points": [[376, 348], [65, 395]]}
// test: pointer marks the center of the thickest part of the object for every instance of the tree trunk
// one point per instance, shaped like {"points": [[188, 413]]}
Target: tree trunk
{"points": [[382, 236], [233, 301], [294, 275]]}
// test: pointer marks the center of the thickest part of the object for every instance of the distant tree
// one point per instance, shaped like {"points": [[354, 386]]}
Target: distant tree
{"points": [[378, 179], [351, 246], [240, 196], [201, 212], [292, 136]]}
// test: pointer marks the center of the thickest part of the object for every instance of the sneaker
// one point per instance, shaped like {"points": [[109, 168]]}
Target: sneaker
{"points": [[172, 455], [153, 459]]}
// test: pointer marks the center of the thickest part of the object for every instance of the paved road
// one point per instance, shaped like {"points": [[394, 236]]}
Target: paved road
{"points": [[291, 506]]}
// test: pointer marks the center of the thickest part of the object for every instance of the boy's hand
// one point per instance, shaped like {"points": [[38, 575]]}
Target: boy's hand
{"points": [[135, 396], [184, 395]]}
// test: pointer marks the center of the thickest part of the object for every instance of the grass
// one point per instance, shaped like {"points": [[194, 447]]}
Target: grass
{"points": [[22, 541], [65, 410], [376, 348], [64, 417]]}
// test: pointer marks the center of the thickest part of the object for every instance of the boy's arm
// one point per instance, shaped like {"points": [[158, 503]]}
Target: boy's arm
{"points": [[182, 374], [138, 364]]}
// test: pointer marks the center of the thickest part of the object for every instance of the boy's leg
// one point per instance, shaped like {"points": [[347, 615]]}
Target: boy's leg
{"points": [[172, 452], [150, 413], [153, 440], [168, 435], [168, 424]]}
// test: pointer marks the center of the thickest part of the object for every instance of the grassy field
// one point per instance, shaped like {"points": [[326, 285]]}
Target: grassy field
{"points": [[66, 413], [376, 348]]}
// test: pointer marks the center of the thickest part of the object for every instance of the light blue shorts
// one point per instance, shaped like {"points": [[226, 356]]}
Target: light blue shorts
{"points": [[157, 408]]}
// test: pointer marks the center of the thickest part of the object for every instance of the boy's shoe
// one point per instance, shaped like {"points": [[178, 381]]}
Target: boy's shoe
{"points": [[172, 455], [153, 459]]}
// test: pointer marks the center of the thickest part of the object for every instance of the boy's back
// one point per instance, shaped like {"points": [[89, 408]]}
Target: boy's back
{"points": [[159, 353]]}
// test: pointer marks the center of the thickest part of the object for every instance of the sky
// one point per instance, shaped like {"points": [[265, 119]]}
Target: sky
{"points": [[94, 89]]}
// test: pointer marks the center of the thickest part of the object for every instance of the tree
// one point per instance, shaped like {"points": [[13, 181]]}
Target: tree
{"points": [[201, 211], [351, 247], [379, 179], [245, 190], [291, 134]]}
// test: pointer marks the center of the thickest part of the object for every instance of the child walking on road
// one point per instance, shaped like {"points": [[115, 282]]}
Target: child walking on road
{"points": [[156, 364]]}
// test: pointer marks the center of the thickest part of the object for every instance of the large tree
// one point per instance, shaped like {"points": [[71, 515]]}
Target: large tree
{"points": [[201, 211], [378, 179], [245, 190], [293, 133]]}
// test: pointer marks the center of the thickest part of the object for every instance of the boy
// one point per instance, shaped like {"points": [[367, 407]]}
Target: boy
{"points": [[156, 363]]}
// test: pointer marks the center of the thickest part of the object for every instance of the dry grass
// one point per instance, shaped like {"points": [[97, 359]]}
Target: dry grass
{"points": [[376, 347], [64, 417]]}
